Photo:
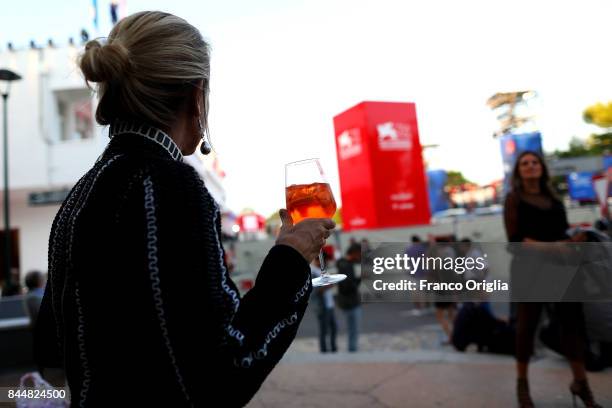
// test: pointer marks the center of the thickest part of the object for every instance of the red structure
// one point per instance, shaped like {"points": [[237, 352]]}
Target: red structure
{"points": [[381, 169], [251, 222]]}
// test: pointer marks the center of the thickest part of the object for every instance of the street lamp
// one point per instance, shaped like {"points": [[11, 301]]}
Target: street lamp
{"points": [[6, 78]]}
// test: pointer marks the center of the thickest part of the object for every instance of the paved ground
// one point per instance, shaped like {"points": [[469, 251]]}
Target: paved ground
{"points": [[428, 337], [377, 318], [406, 366], [412, 378], [415, 379]]}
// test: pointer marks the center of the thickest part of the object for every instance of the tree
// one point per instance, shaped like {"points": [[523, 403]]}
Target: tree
{"points": [[601, 143], [599, 114], [577, 148], [594, 145], [338, 217], [456, 178], [273, 218]]}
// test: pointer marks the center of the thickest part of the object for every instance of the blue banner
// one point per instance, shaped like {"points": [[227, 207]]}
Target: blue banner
{"points": [[436, 181], [580, 186], [94, 13], [512, 145], [607, 162]]}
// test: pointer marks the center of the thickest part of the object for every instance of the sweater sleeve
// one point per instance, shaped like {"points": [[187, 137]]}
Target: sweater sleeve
{"points": [[209, 330], [47, 351]]}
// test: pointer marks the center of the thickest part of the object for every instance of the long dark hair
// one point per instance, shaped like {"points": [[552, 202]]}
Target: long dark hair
{"points": [[545, 186]]}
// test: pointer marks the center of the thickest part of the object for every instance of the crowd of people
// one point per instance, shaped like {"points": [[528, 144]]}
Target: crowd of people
{"points": [[533, 214]]}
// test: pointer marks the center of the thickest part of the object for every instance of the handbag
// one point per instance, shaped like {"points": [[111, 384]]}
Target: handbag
{"points": [[44, 395]]}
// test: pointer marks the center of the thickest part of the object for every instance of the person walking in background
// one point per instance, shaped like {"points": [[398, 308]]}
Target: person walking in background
{"points": [[349, 299], [171, 319], [533, 213], [35, 282], [366, 251], [416, 250], [468, 250], [445, 305], [324, 301]]}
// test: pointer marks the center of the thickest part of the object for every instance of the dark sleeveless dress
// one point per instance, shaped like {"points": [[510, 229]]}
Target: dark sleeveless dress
{"points": [[548, 224]]}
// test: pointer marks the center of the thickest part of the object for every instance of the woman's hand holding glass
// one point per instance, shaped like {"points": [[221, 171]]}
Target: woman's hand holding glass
{"points": [[307, 237]]}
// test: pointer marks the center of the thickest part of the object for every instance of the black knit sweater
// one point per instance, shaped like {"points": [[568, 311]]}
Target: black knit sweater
{"points": [[139, 308]]}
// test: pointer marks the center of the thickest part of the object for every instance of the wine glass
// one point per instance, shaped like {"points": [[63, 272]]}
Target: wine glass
{"points": [[309, 196]]}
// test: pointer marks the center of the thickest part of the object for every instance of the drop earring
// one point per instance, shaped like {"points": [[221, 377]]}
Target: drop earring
{"points": [[205, 145]]}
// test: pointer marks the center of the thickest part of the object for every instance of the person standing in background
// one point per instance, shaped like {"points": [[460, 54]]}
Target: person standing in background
{"points": [[366, 250], [35, 282], [533, 213], [416, 250], [324, 300], [444, 303], [348, 293]]}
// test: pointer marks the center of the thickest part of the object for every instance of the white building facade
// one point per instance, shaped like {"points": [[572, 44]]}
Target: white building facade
{"points": [[53, 141]]}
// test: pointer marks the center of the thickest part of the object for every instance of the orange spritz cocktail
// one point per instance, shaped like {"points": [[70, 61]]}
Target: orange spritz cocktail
{"points": [[310, 201]]}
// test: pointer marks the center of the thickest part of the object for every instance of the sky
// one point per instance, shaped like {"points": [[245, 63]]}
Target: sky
{"points": [[281, 69]]}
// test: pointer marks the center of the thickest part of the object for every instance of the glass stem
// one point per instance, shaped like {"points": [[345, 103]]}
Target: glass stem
{"points": [[322, 262]]}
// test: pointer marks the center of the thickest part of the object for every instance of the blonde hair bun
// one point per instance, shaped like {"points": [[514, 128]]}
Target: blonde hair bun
{"points": [[104, 62], [147, 69]]}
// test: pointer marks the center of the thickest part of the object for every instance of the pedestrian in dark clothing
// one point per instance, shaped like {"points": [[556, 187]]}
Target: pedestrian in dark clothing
{"points": [[35, 282], [139, 309], [326, 316], [417, 249], [445, 305], [349, 299], [533, 213]]}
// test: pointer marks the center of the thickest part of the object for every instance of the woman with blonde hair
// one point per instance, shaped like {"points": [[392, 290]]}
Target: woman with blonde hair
{"points": [[139, 309]]}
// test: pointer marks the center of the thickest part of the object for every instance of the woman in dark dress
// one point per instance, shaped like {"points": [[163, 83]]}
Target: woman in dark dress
{"points": [[533, 213], [139, 309]]}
